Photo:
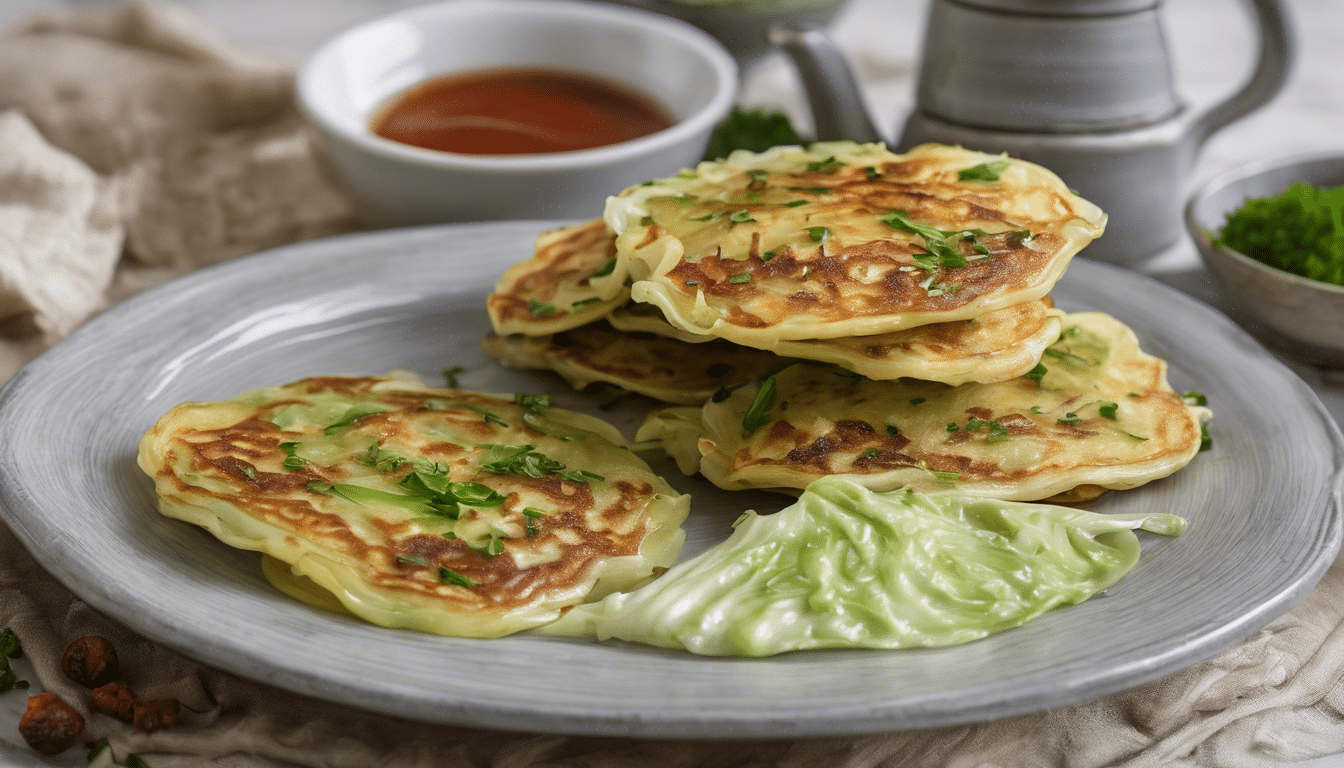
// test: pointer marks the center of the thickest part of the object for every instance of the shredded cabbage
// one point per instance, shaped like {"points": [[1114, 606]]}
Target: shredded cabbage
{"points": [[845, 567]]}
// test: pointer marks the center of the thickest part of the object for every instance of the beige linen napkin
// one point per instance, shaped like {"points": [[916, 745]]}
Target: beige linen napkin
{"points": [[134, 146]]}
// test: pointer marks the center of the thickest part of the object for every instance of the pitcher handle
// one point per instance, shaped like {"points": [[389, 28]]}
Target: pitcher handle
{"points": [[837, 106], [1278, 50]]}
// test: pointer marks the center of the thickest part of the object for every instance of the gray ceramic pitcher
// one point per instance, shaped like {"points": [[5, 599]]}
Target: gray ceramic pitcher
{"points": [[1083, 87]]}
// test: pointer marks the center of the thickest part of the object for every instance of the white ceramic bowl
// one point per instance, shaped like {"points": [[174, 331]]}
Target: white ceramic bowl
{"points": [[344, 84], [1299, 317]]}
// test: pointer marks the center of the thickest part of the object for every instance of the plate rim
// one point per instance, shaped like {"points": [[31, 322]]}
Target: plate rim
{"points": [[862, 717]]}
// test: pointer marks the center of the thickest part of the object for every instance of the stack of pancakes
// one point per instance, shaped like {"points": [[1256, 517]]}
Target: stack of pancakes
{"points": [[843, 310]]}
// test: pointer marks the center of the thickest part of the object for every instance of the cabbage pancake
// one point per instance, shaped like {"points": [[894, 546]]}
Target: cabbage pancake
{"points": [[550, 292], [1097, 411], [659, 367], [439, 510], [995, 346], [843, 239]]}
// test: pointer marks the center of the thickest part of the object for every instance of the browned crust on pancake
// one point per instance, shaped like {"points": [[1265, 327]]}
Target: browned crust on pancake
{"points": [[568, 255]]}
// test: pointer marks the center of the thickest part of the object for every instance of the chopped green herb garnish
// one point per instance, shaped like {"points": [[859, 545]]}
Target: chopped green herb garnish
{"points": [[871, 173], [490, 416], [352, 414], [411, 560], [706, 217], [449, 576], [583, 304], [1135, 394], [450, 375], [380, 459], [1300, 231], [1070, 358], [918, 400], [944, 477], [983, 172], [818, 234], [10, 648], [995, 428], [893, 430], [796, 203], [250, 472], [533, 403], [533, 512], [489, 548], [1069, 418], [1136, 437], [741, 277], [813, 190], [1037, 375], [740, 217], [829, 165], [1205, 439], [952, 426], [606, 269], [292, 461], [758, 414], [1195, 398], [869, 453], [1036, 409], [1108, 409], [646, 221], [540, 309], [521, 460], [768, 255]]}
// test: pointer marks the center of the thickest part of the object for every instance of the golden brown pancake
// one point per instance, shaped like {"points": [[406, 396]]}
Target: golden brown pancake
{"points": [[995, 346], [843, 239], [551, 292], [440, 510], [1100, 413], [656, 366]]}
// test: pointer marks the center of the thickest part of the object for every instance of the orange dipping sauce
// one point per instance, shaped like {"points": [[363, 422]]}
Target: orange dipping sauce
{"points": [[518, 111]]}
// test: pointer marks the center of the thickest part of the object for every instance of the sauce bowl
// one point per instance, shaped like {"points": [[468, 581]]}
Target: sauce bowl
{"points": [[342, 87]]}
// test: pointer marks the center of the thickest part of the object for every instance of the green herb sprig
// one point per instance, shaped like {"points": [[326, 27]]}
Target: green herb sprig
{"points": [[1300, 231]]}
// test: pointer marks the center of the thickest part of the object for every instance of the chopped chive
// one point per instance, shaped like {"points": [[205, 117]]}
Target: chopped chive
{"points": [[450, 375], [758, 413], [741, 277], [1195, 398], [412, 560], [740, 217], [540, 309], [768, 255], [983, 172], [818, 234], [893, 430], [606, 269], [585, 303], [449, 576], [1108, 409], [796, 203]]}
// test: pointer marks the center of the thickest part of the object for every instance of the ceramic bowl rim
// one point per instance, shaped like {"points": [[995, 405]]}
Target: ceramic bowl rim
{"points": [[320, 110]]}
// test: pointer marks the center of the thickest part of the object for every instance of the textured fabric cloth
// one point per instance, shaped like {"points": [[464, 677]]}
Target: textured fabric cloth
{"points": [[133, 147]]}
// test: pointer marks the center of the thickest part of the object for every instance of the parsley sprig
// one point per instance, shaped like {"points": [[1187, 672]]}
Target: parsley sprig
{"points": [[10, 648]]}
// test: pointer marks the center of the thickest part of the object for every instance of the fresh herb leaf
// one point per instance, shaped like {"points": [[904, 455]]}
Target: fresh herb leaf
{"points": [[583, 304], [918, 400], [758, 413], [813, 190], [818, 234], [768, 255], [490, 416], [540, 309], [606, 269], [1070, 358], [995, 428], [1069, 418], [707, 217], [829, 165], [533, 403], [1037, 375], [1205, 439], [1108, 409], [741, 277], [352, 414], [893, 430], [871, 173], [984, 172], [1196, 398], [952, 426], [489, 548], [1136, 437], [450, 375], [1036, 409], [449, 576], [380, 459], [796, 203], [869, 453], [292, 460], [1300, 231], [740, 217]]}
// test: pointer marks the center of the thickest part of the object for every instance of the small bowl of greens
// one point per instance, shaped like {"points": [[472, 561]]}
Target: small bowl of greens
{"points": [[1272, 233]]}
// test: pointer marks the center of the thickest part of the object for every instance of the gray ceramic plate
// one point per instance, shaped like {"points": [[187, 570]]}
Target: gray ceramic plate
{"points": [[1263, 507]]}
